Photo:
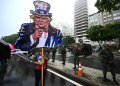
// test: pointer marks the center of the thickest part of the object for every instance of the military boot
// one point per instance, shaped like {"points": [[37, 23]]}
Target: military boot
{"points": [[74, 67], [63, 63], [115, 81], [104, 79], [52, 61]]}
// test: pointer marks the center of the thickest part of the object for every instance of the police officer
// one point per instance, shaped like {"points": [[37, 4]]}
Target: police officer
{"points": [[105, 53], [63, 52], [76, 56]]}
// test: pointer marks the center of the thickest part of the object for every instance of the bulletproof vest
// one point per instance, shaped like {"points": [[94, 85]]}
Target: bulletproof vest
{"points": [[54, 51], [77, 52]]}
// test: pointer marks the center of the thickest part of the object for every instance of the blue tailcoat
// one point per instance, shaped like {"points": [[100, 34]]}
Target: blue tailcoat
{"points": [[23, 42]]}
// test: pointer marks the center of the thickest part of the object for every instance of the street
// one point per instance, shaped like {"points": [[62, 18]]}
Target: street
{"points": [[93, 61], [16, 73]]}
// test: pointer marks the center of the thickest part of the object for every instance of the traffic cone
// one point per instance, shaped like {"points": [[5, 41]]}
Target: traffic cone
{"points": [[80, 70]]}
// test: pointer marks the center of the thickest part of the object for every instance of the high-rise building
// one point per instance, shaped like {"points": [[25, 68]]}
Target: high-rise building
{"points": [[95, 19], [66, 29], [111, 18], [80, 19]]}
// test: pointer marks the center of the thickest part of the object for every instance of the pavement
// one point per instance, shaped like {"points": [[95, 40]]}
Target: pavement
{"points": [[91, 76]]}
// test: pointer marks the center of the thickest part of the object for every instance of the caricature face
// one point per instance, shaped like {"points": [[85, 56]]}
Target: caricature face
{"points": [[41, 21]]}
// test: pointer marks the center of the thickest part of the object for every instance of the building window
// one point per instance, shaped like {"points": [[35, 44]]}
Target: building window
{"points": [[117, 42], [107, 42], [104, 14], [118, 17], [105, 20], [91, 17], [115, 14], [109, 19], [91, 20], [109, 16], [112, 42], [104, 17]]}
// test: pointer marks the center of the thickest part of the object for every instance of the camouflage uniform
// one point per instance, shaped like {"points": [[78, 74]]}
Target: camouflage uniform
{"points": [[63, 52], [104, 53], [81, 48], [48, 50], [76, 56], [72, 49], [53, 54]]}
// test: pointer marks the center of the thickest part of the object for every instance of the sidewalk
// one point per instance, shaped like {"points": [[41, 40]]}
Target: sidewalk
{"points": [[91, 76]]}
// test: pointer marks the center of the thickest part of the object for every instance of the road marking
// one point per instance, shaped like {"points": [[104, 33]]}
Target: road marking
{"points": [[65, 78], [23, 57]]}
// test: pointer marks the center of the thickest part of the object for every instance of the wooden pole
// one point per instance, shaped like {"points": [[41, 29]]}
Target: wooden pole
{"points": [[42, 71], [27, 57]]}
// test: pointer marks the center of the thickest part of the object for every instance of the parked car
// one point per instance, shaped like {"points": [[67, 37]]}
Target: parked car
{"points": [[98, 50], [94, 49]]}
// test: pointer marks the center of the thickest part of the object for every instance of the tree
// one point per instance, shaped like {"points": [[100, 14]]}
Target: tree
{"points": [[107, 5], [101, 33], [112, 30], [94, 33], [11, 39], [68, 40]]}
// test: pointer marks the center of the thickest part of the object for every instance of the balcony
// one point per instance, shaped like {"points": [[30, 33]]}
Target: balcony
{"points": [[81, 20], [83, 17], [78, 9], [77, 31], [81, 35], [81, 26], [80, 12]]}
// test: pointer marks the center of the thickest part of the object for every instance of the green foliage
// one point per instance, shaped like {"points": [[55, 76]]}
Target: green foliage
{"points": [[112, 31], [103, 33], [94, 33], [68, 40], [11, 39], [107, 5]]}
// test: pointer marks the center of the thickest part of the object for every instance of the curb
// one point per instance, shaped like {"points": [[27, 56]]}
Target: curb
{"points": [[84, 80]]}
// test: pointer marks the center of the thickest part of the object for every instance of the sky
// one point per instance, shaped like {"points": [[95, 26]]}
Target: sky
{"points": [[13, 13]]}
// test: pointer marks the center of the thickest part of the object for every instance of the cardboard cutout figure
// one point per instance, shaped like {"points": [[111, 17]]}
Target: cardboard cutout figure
{"points": [[39, 33]]}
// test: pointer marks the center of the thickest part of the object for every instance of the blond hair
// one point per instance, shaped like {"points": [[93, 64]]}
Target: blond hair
{"points": [[32, 16]]}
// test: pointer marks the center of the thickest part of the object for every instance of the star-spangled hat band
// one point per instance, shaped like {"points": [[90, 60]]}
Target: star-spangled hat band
{"points": [[41, 8]]}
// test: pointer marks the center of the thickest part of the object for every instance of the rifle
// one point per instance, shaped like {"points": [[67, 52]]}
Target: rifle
{"points": [[109, 58], [29, 54]]}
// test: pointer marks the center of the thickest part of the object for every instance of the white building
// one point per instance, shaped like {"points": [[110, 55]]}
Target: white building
{"points": [[66, 29], [80, 19], [95, 19]]}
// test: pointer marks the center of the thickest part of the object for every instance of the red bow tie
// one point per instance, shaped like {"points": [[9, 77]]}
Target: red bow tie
{"points": [[46, 30]]}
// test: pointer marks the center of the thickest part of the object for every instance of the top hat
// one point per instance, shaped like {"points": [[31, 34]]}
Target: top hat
{"points": [[41, 8]]}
